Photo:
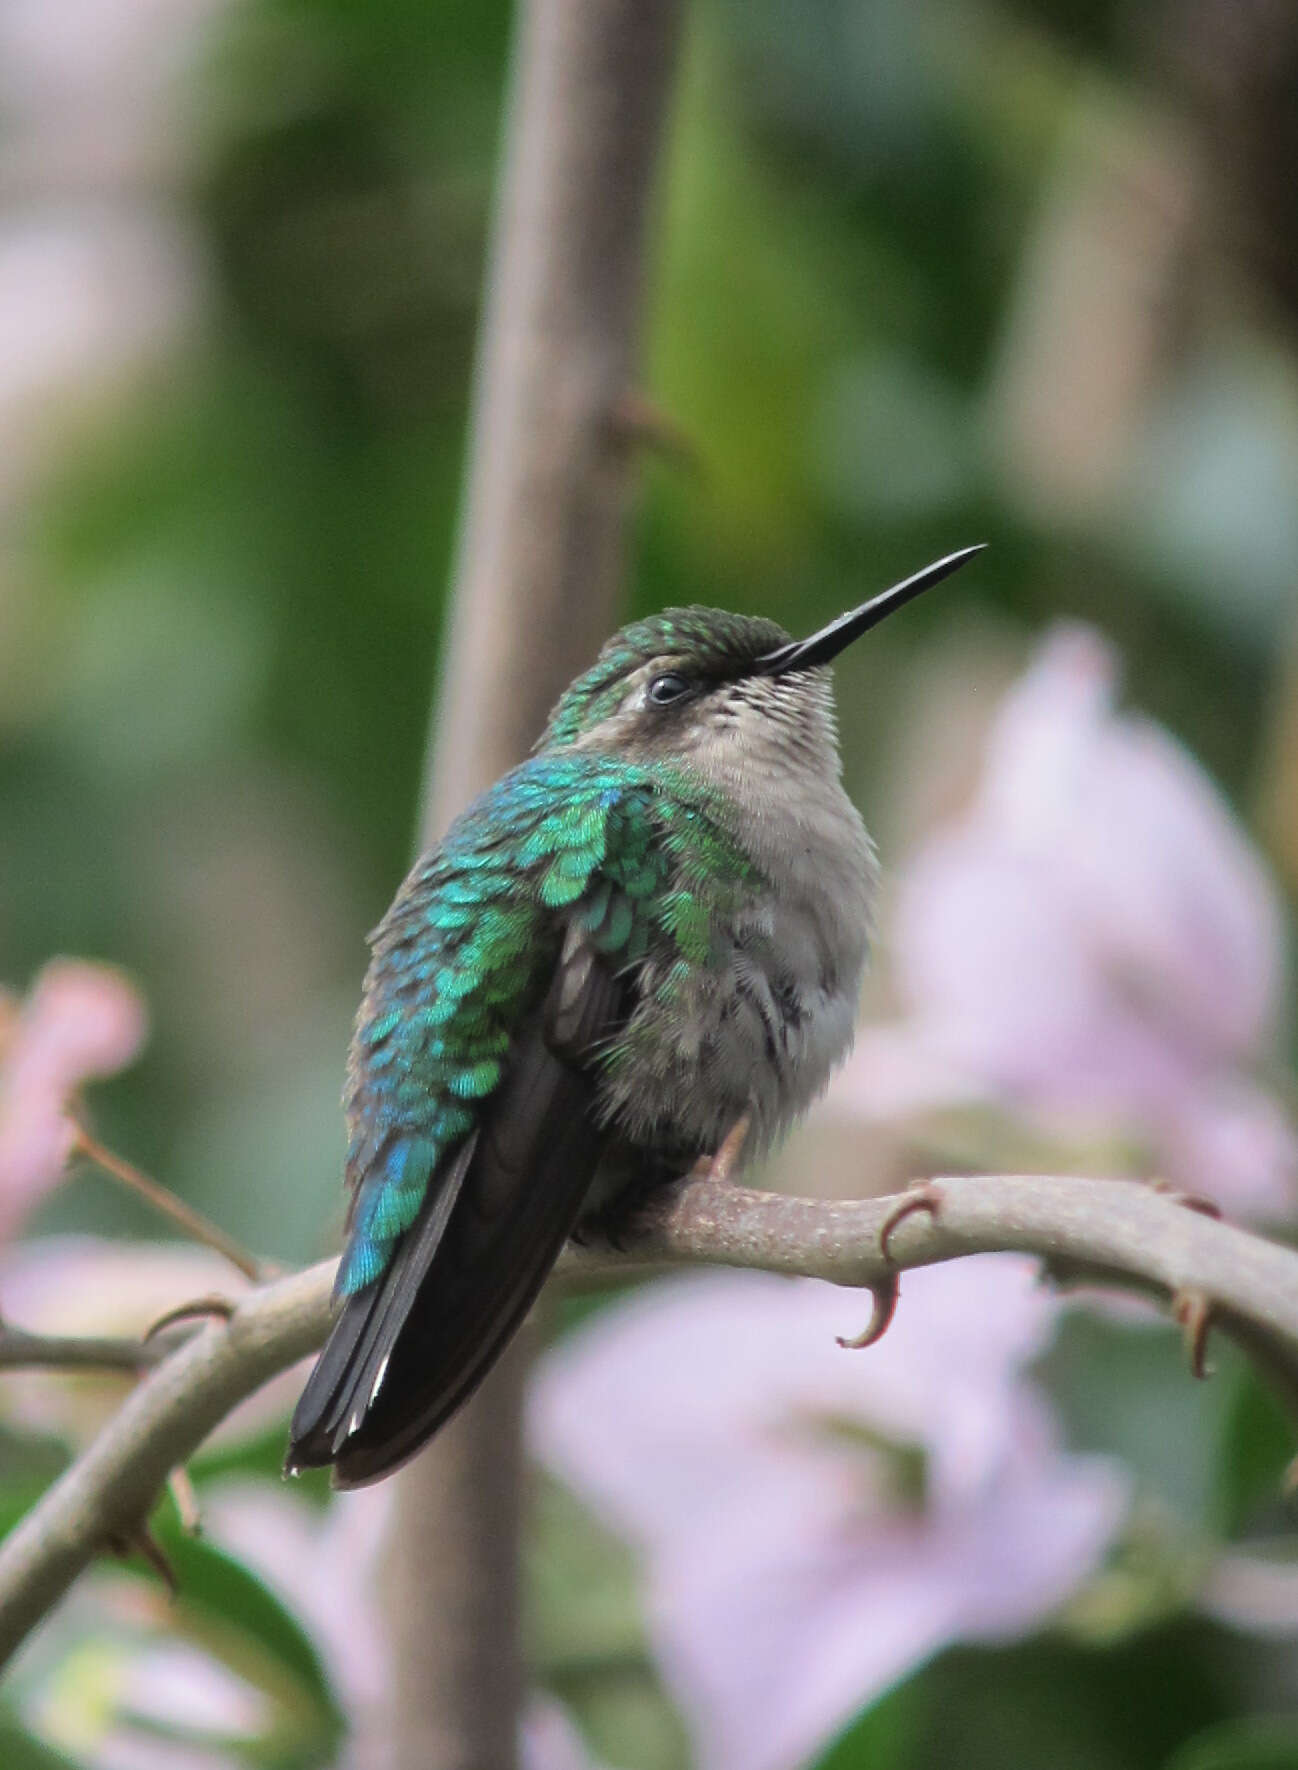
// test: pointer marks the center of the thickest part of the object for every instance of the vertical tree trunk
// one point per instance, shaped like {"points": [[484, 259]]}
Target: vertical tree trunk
{"points": [[537, 587]]}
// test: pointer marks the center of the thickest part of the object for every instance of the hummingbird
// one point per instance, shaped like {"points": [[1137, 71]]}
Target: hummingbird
{"points": [[640, 947]]}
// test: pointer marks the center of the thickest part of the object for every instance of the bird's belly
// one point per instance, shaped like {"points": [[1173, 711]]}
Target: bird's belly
{"points": [[758, 1032]]}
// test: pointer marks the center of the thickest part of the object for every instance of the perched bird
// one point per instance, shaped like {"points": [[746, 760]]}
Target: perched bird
{"points": [[650, 934]]}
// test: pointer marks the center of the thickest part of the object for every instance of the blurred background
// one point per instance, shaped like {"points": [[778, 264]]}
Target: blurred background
{"points": [[926, 272]]}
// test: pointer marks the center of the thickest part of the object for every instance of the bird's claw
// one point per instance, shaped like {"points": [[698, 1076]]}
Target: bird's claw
{"points": [[619, 1220], [885, 1296], [1192, 1309], [721, 1164], [213, 1307], [924, 1197]]}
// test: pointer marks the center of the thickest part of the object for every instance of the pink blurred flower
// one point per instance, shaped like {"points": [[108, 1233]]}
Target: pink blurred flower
{"points": [[1094, 944], [78, 1021], [815, 1523]]}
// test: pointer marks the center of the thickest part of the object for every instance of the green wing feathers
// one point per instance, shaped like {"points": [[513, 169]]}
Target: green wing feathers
{"points": [[469, 947]]}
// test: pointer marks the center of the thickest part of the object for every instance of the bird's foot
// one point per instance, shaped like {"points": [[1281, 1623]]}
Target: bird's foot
{"points": [[615, 1222], [721, 1164], [925, 1196], [210, 1308]]}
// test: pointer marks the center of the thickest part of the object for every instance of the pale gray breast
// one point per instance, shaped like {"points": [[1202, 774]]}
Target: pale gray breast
{"points": [[761, 1029], [799, 958]]}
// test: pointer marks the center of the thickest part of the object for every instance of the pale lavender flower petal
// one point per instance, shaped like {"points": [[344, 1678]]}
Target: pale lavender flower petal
{"points": [[764, 1354], [105, 1707], [1094, 945], [774, 1631], [792, 1572], [1170, 892], [548, 1739], [1232, 1141], [172, 1683]]}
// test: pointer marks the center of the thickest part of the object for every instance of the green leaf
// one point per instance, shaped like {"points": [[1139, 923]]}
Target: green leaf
{"points": [[259, 1456], [224, 1608], [1124, 1389], [21, 1750], [1253, 1451], [1257, 1742], [1047, 1702], [213, 1584], [584, 1607], [587, 1639], [881, 1737]]}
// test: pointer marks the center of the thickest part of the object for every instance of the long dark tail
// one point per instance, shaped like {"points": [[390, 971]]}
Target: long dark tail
{"points": [[410, 1349]]}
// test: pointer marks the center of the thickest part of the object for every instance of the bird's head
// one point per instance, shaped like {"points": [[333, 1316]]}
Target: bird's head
{"points": [[695, 679]]}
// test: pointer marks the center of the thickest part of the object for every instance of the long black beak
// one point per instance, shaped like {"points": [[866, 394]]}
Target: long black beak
{"points": [[805, 654]]}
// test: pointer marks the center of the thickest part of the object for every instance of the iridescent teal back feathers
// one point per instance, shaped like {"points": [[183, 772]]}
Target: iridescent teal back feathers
{"points": [[470, 945]]}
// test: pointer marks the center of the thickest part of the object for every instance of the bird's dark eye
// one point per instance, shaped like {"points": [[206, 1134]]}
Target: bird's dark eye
{"points": [[665, 689]]}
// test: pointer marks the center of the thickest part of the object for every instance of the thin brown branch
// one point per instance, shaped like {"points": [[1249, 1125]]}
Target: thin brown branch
{"points": [[20, 1350], [537, 587], [1116, 1230], [195, 1225]]}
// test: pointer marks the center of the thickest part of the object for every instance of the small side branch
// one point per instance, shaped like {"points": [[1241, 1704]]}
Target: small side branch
{"points": [[20, 1350], [1113, 1231], [106, 1496], [162, 1199]]}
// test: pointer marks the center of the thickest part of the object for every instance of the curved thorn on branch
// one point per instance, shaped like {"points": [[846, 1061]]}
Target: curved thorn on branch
{"points": [[924, 1197], [1189, 1201], [210, 1308], [185, 1500], [885, 1307], [1192, 1310], [142, 1542]]}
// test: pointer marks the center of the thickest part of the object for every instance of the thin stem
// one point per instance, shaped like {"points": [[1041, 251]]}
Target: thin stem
{"points": [[20, 1350], [194, 1223]]}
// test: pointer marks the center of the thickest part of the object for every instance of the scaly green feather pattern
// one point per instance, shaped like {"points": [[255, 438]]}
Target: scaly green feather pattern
{"points": [[635, 854]]}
